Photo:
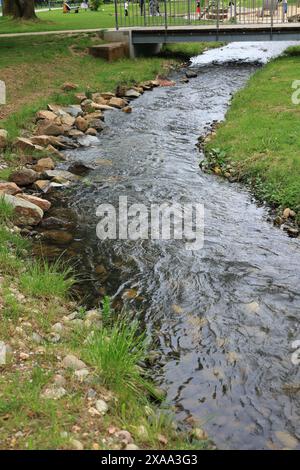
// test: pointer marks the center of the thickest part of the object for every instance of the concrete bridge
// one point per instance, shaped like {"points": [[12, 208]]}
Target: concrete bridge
{"points": [[146, 24]]}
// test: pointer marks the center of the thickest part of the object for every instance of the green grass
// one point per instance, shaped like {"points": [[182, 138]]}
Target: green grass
{"points": [[6, 210], [261, 134], [42, 279]]}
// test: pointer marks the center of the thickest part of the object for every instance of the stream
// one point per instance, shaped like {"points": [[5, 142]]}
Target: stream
{"points": [[224, 317]]}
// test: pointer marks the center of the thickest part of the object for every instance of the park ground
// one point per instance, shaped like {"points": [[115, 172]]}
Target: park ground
{"points": [[43, 403], [260, 137]]}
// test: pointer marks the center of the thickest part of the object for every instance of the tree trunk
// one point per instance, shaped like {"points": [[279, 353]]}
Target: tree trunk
{"points": [[24, 9], [8, 8]]}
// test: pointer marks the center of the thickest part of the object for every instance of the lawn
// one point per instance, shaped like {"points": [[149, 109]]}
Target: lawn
{"points": [[261, 133], [55, 20]]}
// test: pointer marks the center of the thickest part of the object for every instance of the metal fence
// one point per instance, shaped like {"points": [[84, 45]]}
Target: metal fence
{"points": [[205, 12]]}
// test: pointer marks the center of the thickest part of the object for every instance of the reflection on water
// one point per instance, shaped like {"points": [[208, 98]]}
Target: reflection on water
{"points": [[224, 317]]}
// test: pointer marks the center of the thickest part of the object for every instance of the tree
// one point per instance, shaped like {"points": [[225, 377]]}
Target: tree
{"points": [[19, 9]]}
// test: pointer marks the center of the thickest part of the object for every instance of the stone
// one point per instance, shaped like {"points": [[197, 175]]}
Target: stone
{"points": [[109, 51], [92, 116], [59, 380], [53, 151], [107, 95], [60, 175], [26, 145], [76, 445], [9, 188], [44, 164], [42, 185], [132, 93], [57, 327], [288, 213], [88, 141], [91, 131], [59, 237], [117, 102], [79, 168], [191, 74], [69, 86], [97, 125], [142, 432], [68, 120], [3, 138], [74, 133], [124, 437], [46, 127], [23, 177], [45, 114], [79, 97], [199, 434], [132, 447], [286, 439], [45, 140], [82, 374], [97, 98], [93, 317], [74, 109], [81, 123], [72, 362], [127, 109], [54, 393], [25, 213], [42, 203], [55, 223]]}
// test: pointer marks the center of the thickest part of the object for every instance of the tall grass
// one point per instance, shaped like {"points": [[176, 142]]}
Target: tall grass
{"points": [[42, 279], [6, 210], [116, 353]]}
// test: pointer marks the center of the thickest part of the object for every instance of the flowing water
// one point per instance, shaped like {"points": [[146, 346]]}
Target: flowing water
{"points": [[224, 317]]}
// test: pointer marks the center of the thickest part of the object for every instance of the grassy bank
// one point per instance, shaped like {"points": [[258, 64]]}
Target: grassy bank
{"points": [[260, 137], [35, 68]]}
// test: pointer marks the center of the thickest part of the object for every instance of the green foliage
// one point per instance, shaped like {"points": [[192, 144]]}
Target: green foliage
{"points": [[6, 210], [94, 4], [42, 279], [261, 134]]}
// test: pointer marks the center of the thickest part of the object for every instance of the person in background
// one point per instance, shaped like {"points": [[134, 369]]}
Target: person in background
{"points": [[84, 6], [126, 8], [198, 10], [284, 10]]}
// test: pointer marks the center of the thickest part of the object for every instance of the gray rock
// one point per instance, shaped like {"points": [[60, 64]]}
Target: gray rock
{"points": [[57, 327], [60, 175], [132, 447], [101, 406], [88, 141], [59, 380], [72, 362], [54, 393], [191, 74], [36, 338], [76, 445], [82, 374], [132, 93]]}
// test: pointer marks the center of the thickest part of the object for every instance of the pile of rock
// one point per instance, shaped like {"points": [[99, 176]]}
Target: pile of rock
{"points": [[59, 128]]}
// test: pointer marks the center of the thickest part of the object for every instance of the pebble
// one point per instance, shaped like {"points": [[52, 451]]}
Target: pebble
{"points": [[81, 374], [54, 393], [57, 327], [76, 445], [132, 447], [124, 437], [101, 406], [72, 362]]}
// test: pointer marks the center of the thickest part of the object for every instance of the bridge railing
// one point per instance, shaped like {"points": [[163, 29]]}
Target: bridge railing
{"points": [[168, 13]]}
